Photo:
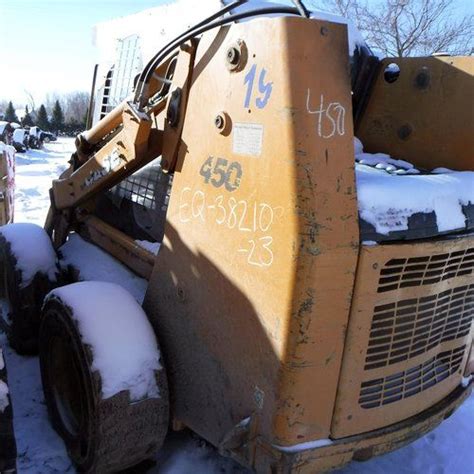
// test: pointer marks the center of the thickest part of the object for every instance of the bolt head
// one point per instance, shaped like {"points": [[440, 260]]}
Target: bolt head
{"points": [[404, 132], [219, 122], [422, 80], [233, 55]]}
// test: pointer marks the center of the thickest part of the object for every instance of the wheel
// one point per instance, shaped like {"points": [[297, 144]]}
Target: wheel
{"points": [[46, 139], [27, 278], [106, 398]]}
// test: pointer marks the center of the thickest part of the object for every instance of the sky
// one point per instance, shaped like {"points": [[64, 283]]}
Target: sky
{"points": [[46, 45]]}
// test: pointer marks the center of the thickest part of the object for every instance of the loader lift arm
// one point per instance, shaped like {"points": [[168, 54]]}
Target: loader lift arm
{"points": [[138, 131]]}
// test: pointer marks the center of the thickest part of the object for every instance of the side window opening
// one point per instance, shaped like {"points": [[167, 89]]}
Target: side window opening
{"points": [[128, 63], [137, 206]]}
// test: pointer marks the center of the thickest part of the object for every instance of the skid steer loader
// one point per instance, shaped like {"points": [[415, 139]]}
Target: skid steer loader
{"points": [[300, 327]]}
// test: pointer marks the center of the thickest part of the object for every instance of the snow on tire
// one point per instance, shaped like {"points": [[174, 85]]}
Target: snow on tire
{"points": [[104, 382], [30, 271]]}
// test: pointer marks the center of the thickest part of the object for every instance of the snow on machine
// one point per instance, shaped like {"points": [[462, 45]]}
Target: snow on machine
{"points": [[218, 257], [6, 132], [35, 138], [21, 139]]}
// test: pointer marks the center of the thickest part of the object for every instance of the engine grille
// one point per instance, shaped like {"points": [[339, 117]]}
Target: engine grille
{"points": [[408, 328], [419, 271], [390, 389]]}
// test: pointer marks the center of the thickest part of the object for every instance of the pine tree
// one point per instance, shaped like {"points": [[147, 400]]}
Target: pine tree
{"points": [[42, 119], [27, 119], [57, 121], [10, 114]]}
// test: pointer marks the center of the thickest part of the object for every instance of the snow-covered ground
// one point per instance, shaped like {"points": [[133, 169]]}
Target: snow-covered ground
{"points": [[447, 450], [35, 171]]}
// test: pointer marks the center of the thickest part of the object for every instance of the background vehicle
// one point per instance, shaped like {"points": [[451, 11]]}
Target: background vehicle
{"points": [[20, 139], [6, 131], [34, 139], [47, 137], [290, 341]]}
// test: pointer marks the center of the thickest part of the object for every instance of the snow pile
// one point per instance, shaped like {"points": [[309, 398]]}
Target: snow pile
{"points": [[152, 247], [114, 325], [442, 170], [95, 264], [382, 161], [32, 249], [19, 135], [387, 200]]}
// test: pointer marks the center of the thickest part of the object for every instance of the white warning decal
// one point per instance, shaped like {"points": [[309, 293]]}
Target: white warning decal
{"points": [[247, 139]]}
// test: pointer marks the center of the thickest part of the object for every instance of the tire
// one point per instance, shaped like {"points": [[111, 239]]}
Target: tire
{"points": [[102, 435], [25, 301]]}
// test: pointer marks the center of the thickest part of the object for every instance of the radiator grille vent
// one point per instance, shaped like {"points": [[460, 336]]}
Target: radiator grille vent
{"points": [[419, 271], [382, 391], [408, 328]]}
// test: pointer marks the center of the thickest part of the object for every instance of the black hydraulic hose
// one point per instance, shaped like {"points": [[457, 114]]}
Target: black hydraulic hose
{"points": [[301, 8], [161, 55], [211, 18]]}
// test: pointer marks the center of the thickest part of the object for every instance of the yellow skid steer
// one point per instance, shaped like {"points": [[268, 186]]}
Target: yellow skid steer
{"points": [[308, 312]]}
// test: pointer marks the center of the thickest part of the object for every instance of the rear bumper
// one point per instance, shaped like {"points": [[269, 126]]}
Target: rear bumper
{"points": [[360, 447]]}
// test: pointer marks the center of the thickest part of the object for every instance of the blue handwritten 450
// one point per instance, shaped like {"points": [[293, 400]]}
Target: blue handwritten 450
{"points": [[264, 88]]}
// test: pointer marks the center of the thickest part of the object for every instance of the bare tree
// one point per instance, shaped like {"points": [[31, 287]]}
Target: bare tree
{"points": [[51, 98], [75, 106], [31, 100], [409, 27]]}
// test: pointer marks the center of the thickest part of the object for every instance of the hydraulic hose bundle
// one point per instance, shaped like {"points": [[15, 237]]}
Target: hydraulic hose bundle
{"points": [[214, 21]]}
